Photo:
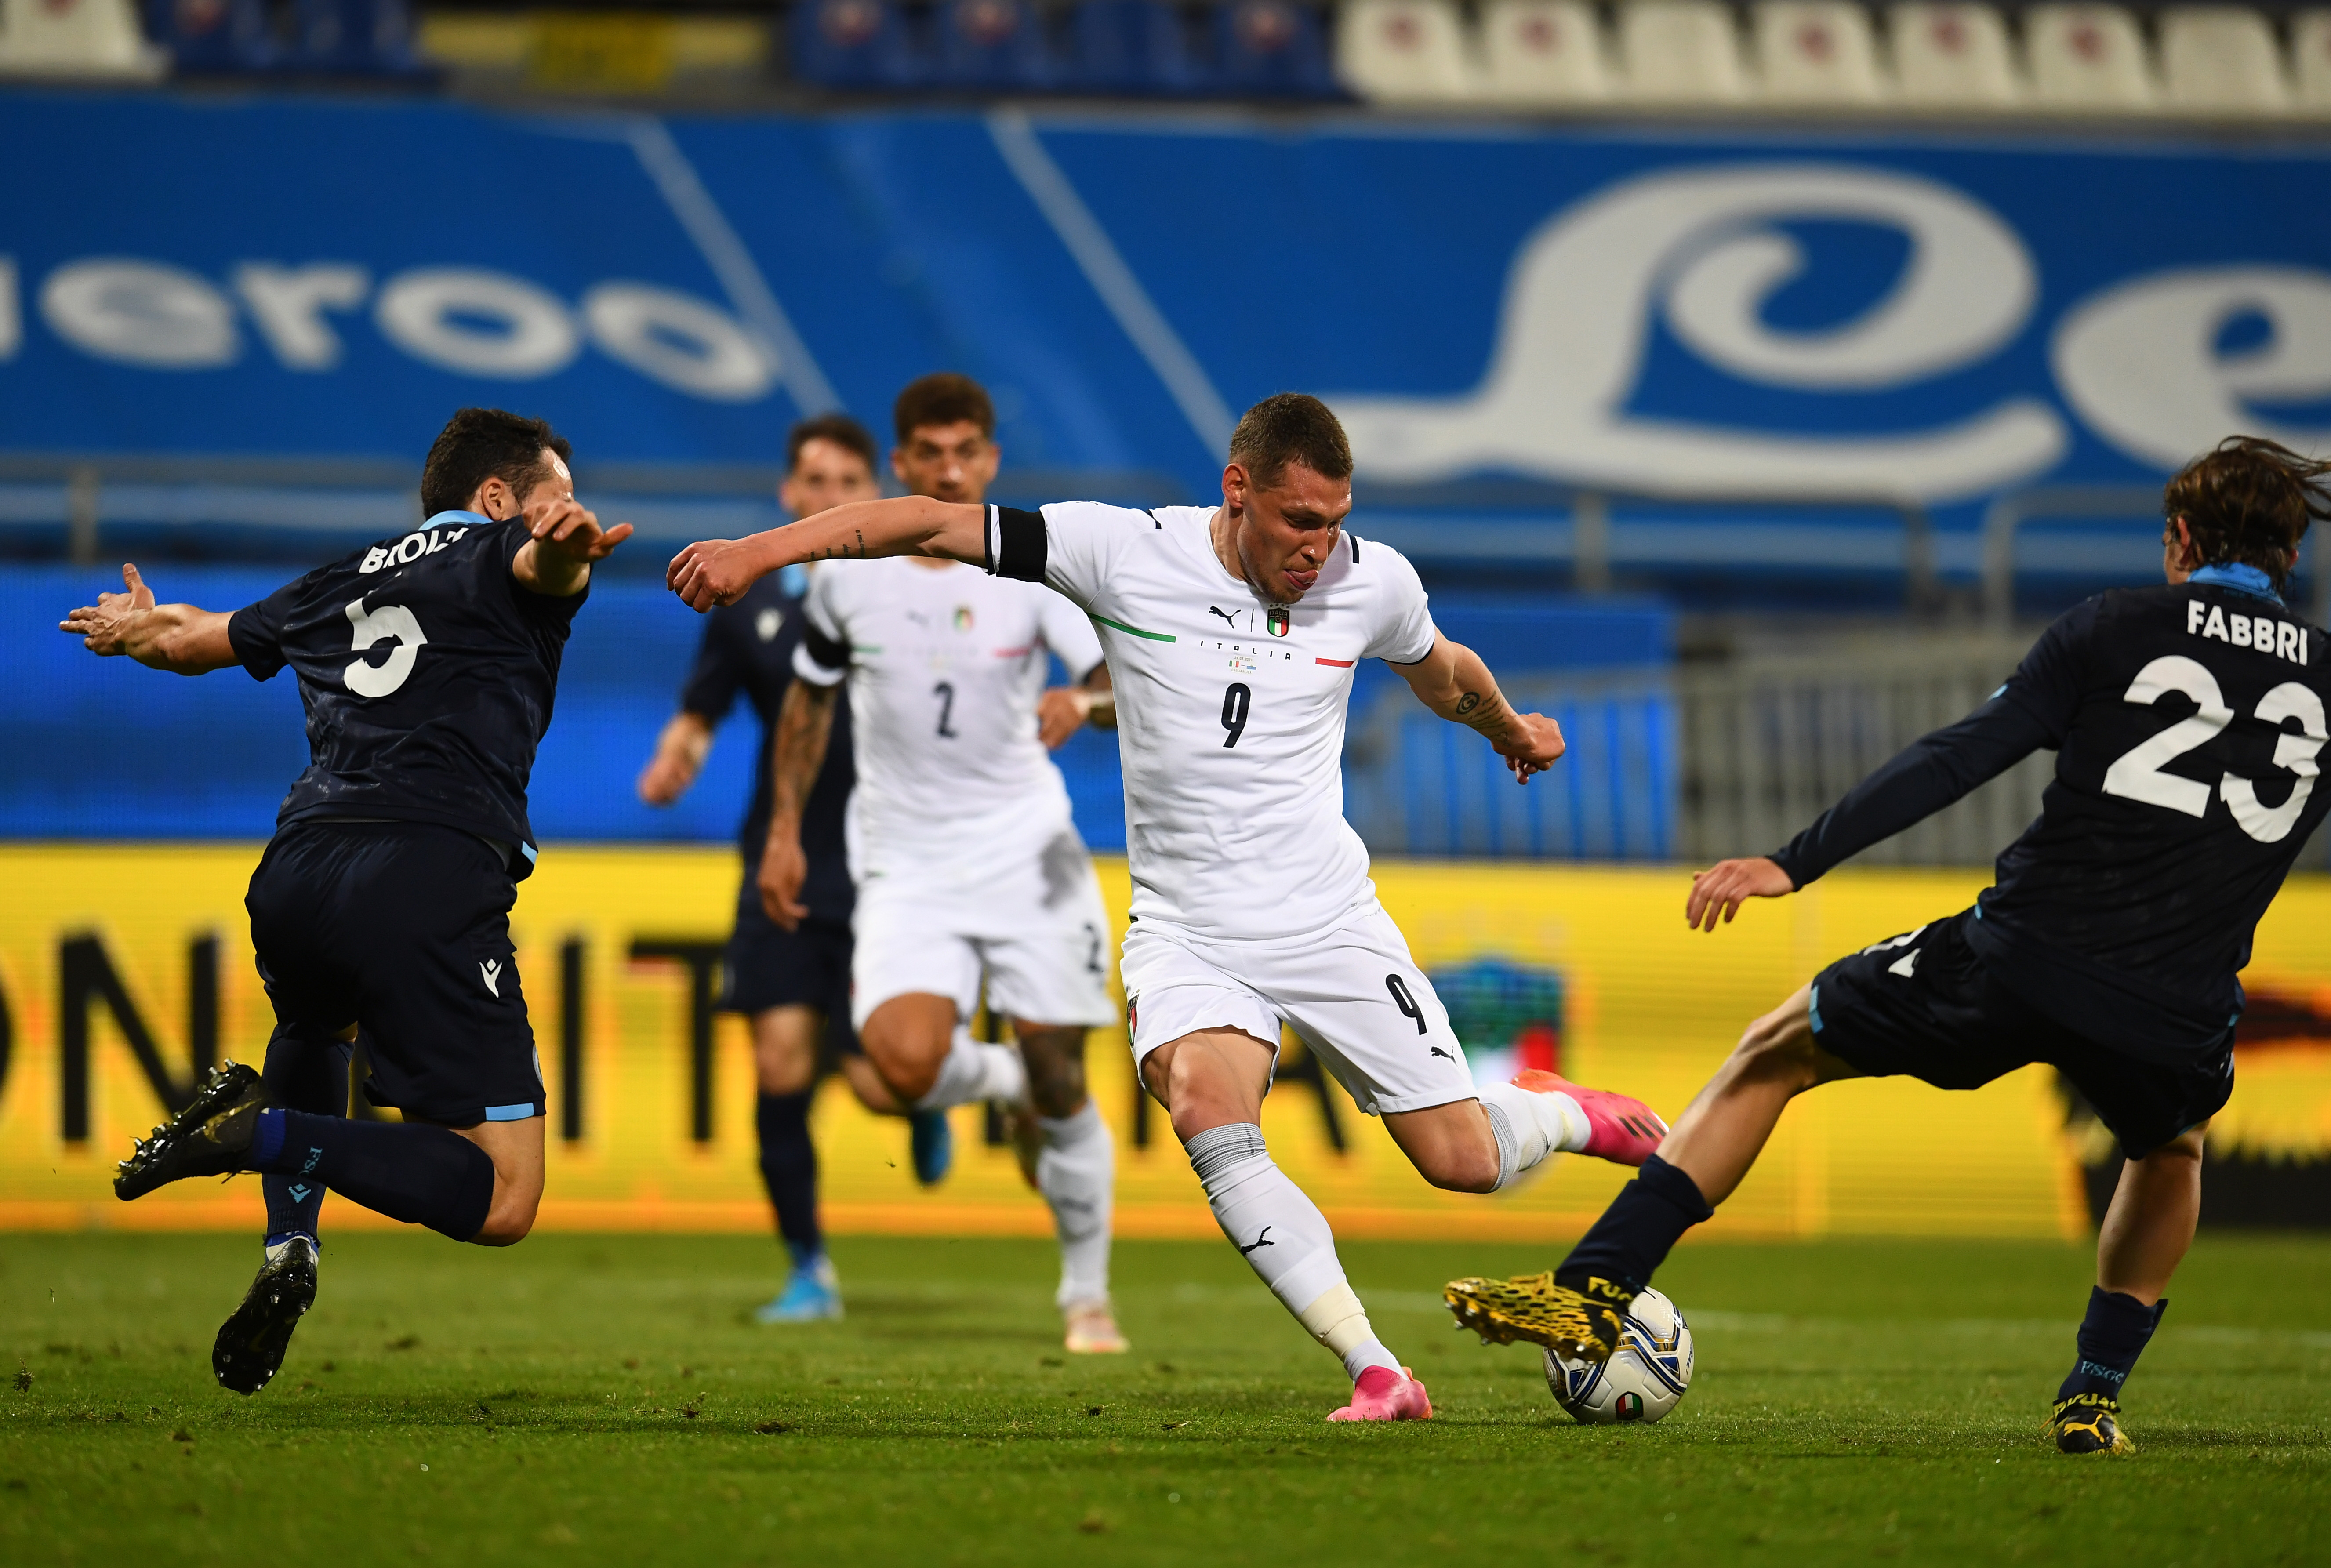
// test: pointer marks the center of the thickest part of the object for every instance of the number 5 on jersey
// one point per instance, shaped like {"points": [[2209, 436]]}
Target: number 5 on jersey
{"points": [[367, 679]]}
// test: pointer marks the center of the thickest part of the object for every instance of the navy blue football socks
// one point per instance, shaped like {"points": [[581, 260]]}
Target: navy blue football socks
{"points": [[789, 1168], [2112, 1336], [304, 1072], [1640, 1228], [408, 1170]]}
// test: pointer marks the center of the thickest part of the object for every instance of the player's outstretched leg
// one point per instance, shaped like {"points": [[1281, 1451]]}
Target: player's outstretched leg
{"points": [[409, 1171], [1575, 1309], [306, 1069], [2143, 1239]]}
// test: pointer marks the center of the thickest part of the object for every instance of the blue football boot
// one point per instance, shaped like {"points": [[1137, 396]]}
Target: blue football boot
{"points": [[812, 1295], [932, 1145]]}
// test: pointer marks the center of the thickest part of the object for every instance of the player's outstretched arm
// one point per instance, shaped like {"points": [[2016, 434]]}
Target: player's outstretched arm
{"points": [[1717, 893], [804, 726], [718, 571], [178, 638], [680, 754], [1454, 682], [556, 561]]}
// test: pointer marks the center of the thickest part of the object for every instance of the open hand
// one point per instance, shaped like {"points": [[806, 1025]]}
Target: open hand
{"points": [[100, 626], [1720, 890], [712, 572], [1530, 745]]}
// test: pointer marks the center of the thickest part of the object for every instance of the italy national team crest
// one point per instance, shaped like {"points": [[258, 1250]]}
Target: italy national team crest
{"points": [[963, 617], [1277, 620]]}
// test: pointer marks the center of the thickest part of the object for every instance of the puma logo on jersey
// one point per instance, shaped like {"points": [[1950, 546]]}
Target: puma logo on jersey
{"points": [[2262, 633], [1441, 1053], [491, 972], [1227, 617]]}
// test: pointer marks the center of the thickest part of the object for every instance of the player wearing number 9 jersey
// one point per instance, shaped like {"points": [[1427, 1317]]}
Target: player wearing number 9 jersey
{"points": [[427, 664], [1231, 633], [2188, 723]]}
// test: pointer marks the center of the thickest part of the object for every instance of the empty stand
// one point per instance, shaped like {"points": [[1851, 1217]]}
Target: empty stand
{"points": [[75, 38], [1680, 52], [1272, 47], [1949, 54], [360, 37], [2086, 57], [1543, 52], [990, 43], [851, 44], [1403, 51], [1816, 51], [2310, 60], [2221, 60], [1130, 46]]}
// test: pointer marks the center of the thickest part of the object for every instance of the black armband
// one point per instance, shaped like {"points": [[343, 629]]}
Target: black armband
{"points": [[824, 650], [1015, 543]]}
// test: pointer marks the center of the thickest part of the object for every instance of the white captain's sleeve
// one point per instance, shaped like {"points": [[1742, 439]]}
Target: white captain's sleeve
{"points": [[1067, 633], [1069, 546], [1400, 618], [822, 657]]}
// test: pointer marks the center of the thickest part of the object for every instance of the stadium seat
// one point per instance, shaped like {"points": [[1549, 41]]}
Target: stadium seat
{"points": [[205, 35], [1948, 53], [1271, 46], [372, 37], [1403, 51], [853, 43], [1119, 46], [1547, 51], [1680, 52], [991, 43], [1814, 52], [2221, 60], [76, 38], [2086, 57], [2310, 58]]}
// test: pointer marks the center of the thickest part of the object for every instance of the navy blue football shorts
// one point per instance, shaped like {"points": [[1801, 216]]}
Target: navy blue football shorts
{"points": [[404, 928], [1923, 1005], [766, 966]]}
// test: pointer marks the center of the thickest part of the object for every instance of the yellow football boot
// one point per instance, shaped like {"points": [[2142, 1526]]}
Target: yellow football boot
{"points": [[1533, 1308]]}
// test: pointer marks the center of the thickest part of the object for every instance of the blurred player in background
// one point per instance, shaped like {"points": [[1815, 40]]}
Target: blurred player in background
{"points": [[969, 868], [2187, 722], [427, 665], [792, 981], [1234, 631]]}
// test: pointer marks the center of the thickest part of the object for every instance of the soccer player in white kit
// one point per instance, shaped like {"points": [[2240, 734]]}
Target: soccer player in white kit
{"points": [[1231, 633], [968, 865]]}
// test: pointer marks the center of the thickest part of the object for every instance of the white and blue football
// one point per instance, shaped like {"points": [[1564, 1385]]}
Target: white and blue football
{"points": [[1645, 1377]]}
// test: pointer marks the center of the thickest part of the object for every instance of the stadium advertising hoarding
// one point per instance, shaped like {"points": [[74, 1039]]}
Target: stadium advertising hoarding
{"points": [[120, 964], [1942, 316]]}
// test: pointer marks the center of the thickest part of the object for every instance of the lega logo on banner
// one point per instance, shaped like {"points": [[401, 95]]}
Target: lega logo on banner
{"points": [[2160, 366]]}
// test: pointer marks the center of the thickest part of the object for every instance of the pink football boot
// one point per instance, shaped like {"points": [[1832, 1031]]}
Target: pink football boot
{"points": [[1383, 1395], [1622, 1130]]}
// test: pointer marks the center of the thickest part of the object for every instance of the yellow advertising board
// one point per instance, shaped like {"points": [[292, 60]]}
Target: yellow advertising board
{"points": [[119, 963]]}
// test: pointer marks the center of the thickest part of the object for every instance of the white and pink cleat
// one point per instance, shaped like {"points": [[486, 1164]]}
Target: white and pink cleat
{"points": [[1383, 1395], [1619, 1128]]}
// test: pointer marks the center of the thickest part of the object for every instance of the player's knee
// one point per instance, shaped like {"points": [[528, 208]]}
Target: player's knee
{"points": [[907, 1065], [506, 1225], [1461, 1168], [1777, 1049]]}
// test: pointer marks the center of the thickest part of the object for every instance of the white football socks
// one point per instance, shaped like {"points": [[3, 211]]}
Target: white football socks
{"points": [[1530, 1125], [1286, 1240], [1077, 1173], [974, 1071]]}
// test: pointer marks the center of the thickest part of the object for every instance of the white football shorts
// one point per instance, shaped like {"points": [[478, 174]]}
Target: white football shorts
{"points": [[1040, 942], [1352, 993]]}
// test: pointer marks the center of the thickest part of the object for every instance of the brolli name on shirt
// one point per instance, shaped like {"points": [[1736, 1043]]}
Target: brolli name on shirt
{"points": [[2263, 633]]}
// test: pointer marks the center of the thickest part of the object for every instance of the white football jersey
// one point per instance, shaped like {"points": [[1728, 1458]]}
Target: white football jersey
{"points": [[1231, 711], [945, 665]]}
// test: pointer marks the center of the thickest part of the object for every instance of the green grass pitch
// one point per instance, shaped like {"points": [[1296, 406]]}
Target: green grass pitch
{"points": [[606, 1399]]}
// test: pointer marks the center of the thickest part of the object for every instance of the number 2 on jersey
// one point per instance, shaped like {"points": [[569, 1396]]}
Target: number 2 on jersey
{"points": [[2137, 775], [1235, 703], [945, 693]]}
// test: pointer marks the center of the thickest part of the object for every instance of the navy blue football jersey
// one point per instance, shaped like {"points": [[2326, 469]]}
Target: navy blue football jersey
{"points": [[748, 648], [2188, 723], [427, 671]]}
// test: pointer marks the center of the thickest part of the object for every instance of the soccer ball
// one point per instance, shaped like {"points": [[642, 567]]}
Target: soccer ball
{"points": [[1645, 1377]]}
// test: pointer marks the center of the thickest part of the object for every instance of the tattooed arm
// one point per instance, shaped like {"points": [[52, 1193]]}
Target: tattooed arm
{"points": [[1453, 682], [718, 571]]}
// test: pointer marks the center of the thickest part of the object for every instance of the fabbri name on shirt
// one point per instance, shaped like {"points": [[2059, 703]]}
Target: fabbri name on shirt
{"points": [[410, 548], [2263, 633]]}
